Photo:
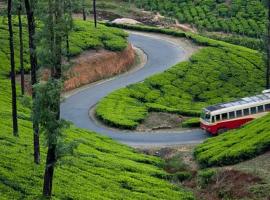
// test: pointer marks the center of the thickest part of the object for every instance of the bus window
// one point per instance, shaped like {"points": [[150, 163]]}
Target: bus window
{"points": [[267, 107], [239, 113], [224, 116], [260, 108], [231, 115], [213, 119], [253, 110], [246, 111], [217, 117]]}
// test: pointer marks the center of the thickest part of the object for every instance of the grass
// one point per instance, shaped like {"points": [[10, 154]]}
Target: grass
{"points": [[99, 169], [226, 72], [236, 145], [84, 36]]}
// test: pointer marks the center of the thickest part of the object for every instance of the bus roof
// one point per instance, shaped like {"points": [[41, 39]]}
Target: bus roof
{"points": [[240, 102]]}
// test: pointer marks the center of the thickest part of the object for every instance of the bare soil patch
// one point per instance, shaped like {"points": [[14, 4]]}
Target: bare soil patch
{"points": [[226, 184], [92, 66], [249, 180], [159, 120]]}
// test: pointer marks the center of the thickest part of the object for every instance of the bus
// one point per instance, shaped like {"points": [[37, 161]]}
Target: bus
{"points": [[219, 118]]}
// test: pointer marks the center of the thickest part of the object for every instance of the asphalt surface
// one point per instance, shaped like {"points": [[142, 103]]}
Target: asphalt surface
{"points": [[161, 55]]}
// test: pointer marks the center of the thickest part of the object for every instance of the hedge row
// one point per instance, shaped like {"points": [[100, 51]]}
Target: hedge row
{"points": [[225, 72], [235, 146]]}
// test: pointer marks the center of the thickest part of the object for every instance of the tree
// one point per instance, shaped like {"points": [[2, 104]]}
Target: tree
{"points": [[12, 72], [29, 6], [21, 46], [95, 12], [48, 93], [268, 48]]}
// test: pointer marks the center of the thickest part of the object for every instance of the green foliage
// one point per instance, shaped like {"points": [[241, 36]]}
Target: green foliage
{"points": [[237, 16], [191, 122], [84, 36], [206, 176], [236, 145], [226, 72]]}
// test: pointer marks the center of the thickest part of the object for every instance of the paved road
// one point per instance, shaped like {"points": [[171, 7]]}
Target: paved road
{"points": [[161, 55]]}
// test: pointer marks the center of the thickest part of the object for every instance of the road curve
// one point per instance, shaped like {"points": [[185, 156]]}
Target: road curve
{"points": [[161, 55]]}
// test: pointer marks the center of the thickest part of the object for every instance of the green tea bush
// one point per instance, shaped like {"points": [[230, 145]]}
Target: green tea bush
{"points": [[191, 123], [236, 145], [238, 17], [226, 72]]}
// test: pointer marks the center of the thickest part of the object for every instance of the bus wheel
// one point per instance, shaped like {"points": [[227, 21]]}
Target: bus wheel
{"points": [[222, 130]]}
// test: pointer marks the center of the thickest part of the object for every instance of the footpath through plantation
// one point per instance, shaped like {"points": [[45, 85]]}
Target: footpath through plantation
{"points": [[99, 169]]}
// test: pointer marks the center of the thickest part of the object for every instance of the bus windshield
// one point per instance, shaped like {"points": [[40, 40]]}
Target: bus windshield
{"points": [[206, 116]]}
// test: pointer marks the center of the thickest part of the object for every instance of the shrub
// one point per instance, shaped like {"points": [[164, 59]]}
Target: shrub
{"points": [[206, 176], [191, 123]]}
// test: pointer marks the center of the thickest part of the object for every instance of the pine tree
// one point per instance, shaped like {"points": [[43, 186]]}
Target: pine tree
{"points": [[30, 6], [12, 72]]}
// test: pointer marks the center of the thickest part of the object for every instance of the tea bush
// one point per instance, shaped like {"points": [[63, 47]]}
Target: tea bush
{"points": [[226, 72], [236, 145]]}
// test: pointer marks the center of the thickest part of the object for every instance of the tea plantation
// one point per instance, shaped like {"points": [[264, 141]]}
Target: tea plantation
{"points": [[219, 72], [100, 167], [235, 146], [83, 37], [243, 17]]}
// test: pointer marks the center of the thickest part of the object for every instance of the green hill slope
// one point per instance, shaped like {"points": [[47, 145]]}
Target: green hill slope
{"points": [[100, 168], [236, 145]]}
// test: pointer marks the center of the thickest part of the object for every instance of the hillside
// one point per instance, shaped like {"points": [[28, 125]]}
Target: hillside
{"points": [[99, 169], [219, 72]]}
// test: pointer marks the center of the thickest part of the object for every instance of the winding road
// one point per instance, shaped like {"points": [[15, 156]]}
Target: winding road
{"points": [[161, 54]]}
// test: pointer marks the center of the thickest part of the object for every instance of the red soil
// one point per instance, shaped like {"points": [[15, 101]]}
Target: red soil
{"points": [[93, 66]]}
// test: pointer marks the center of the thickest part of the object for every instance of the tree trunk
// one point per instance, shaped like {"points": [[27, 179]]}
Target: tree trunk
{"points": [[33, 62], [67, 47], [84, 14], [21, 48], [49, 171], [268, 48], [95, 12], [12, 72]]}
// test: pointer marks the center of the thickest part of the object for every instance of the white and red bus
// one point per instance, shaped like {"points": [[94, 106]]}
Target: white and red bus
{"points": [[222, 117]]}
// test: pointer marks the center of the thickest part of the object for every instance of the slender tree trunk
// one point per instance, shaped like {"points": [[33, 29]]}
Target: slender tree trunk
{"points": [[33, 62], [95, 12], [12, 72], [49, 171], [21, 48], [84, 13], [268, 48], [56, 74], [67, 47]]}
